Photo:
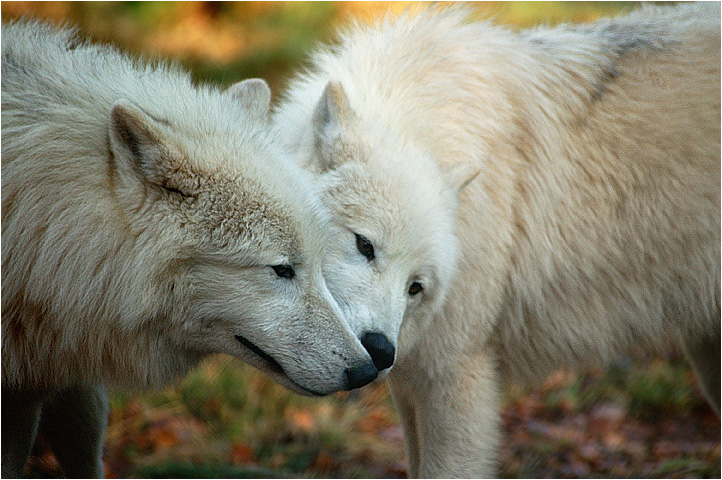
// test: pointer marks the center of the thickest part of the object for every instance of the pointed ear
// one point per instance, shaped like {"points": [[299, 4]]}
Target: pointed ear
{"points": [[135, 136], [139, 145], [254, 95], [330, 118], [332, 111], [460, 175]]}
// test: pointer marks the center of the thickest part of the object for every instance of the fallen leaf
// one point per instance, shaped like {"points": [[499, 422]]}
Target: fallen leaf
{"points": [[241, 454]]}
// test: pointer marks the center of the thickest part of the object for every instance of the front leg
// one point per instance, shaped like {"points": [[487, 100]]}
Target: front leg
{"points": [[454, 426], [73, 423], [704, 356], [402, 395], [20, 415]]}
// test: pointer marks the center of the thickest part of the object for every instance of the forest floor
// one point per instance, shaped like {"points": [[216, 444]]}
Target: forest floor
{"points": [[226, 420]]}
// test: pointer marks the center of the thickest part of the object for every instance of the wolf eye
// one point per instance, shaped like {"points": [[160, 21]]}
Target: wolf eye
{"points": [[284, 271], [415, 288], [365, 247]]}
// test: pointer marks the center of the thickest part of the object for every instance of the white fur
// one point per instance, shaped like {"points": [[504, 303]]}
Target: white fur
{"points": [[589, 228], [141, 219]]}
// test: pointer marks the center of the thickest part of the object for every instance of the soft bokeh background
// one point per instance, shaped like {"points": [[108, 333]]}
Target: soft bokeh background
{"points": [[227, 420]]}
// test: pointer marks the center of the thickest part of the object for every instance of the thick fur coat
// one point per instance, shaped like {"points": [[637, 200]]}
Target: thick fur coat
{"points": [[146, 223], [537, 199]]}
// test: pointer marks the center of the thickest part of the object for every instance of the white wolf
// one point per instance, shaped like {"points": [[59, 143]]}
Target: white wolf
{"points": [[588, 225], [147, 223]]}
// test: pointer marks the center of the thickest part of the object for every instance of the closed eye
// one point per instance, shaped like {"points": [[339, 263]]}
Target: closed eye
{"points": [[176, 191], [365, 247]]}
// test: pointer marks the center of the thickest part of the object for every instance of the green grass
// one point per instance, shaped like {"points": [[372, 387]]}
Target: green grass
{"points": [[191, 470], [686, 467]]}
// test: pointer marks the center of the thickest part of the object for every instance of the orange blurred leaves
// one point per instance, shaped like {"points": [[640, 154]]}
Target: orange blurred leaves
{"points": [[241, 454], [303, 420]]}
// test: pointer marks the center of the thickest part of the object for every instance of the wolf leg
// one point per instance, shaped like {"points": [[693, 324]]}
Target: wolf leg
{"points": [[405, 408], [455, 421], [73, 423], [704, 356], [20, 414]]}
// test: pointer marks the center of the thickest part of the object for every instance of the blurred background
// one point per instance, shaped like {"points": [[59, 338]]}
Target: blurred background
{"points": [[643, 419]]}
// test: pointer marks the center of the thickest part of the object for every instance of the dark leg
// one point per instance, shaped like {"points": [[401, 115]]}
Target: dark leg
{"points": [[73, 423], [20, 414]]}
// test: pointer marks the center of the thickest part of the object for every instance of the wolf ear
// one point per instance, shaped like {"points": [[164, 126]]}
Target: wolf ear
{"points": [[332, 115], [460, 175], [137, 138], [332, 111], [254, 95]]}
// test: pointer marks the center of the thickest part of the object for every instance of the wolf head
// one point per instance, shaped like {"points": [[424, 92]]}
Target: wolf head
{"points": [[243, 241], [390, 267]]}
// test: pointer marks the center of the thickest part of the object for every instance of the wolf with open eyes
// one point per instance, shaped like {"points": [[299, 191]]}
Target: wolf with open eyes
{"points": [[517, 202]]}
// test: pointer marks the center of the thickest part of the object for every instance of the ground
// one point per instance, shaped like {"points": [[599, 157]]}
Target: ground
{"points": [[226, 420]]}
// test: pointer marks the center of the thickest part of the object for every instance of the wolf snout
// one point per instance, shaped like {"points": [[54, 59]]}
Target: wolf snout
{"points": [[382, 356], [380, 349], [360, 375]]}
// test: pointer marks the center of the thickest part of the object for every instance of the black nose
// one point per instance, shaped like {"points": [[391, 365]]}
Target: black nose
{"points": [[360, 375], [380, 349]]}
